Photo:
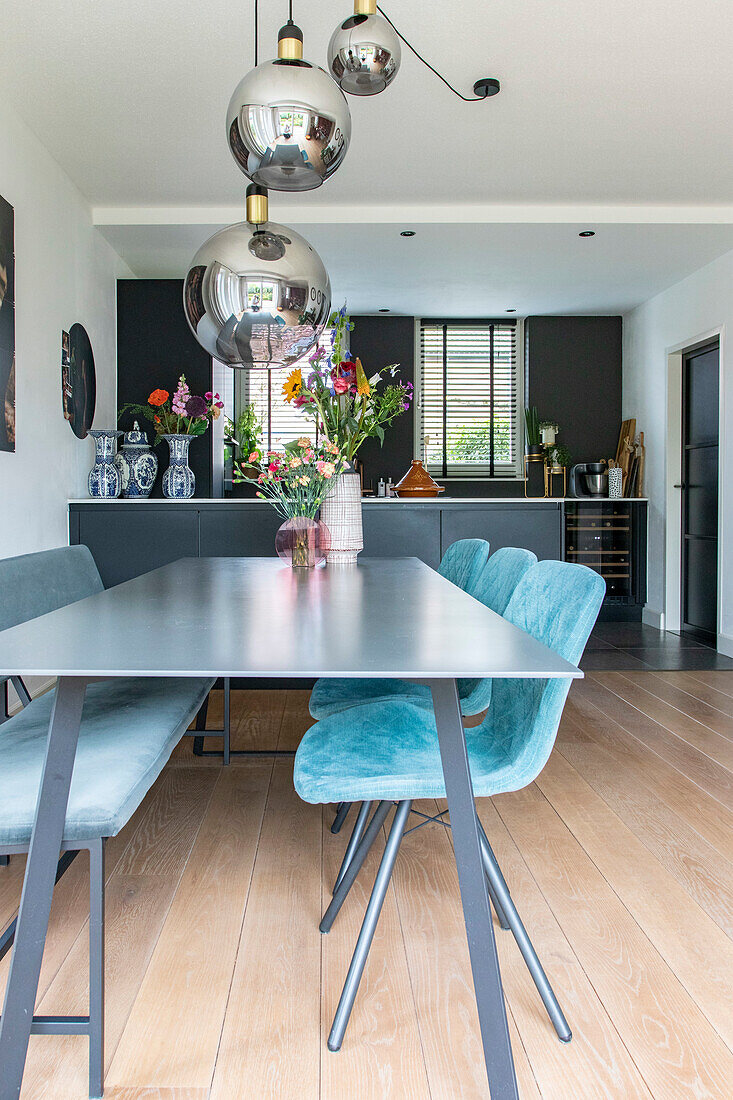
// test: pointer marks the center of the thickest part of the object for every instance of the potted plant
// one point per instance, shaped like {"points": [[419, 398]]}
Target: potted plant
{"points": [[348, 409], [559, 457], [242, 437], [178, 420], [548, 431], [295, 483], [532, 438]]}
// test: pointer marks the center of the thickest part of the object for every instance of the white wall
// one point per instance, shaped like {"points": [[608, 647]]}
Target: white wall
{"points": [[685, 313], [64, 272]]}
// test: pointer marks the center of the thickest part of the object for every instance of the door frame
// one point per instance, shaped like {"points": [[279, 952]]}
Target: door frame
{"points": [[672, 618]]}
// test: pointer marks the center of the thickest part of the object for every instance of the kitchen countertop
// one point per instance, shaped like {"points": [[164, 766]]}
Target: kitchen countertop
{"points": [[440, 500]]}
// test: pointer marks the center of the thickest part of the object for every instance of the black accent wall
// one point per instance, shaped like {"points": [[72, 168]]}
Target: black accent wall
{"points": [[379, 341], [154, 347], [573, 375]]}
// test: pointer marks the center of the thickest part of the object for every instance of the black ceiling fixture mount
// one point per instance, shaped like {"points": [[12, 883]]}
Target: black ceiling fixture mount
{"points": [[385, 311], [486, 86], [510, 311], [407, 233], [587, 233]]}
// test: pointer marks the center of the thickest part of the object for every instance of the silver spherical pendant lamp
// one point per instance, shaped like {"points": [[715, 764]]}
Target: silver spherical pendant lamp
{"points": [[288, 124], [364, 52], [257, 294]]}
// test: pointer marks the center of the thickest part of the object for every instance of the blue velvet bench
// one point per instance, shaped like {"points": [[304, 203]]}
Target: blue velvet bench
{"points": [[129, 729]]}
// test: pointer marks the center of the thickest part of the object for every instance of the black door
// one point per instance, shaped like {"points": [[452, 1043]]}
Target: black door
{"points": [[700, 492]]}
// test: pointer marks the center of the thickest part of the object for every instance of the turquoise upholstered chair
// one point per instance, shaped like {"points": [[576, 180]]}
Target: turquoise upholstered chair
{"points": [[128, 731], [387, 752], [492, 584]]}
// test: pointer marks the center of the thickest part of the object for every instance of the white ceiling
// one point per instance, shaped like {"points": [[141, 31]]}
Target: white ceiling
{"points": [[603, 102], [467, 270]]}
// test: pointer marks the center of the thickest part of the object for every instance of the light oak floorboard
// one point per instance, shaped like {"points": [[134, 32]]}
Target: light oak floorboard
{"points": [[681, 793], [705, 873], [687, 682], [721, 681], [173, 1032], [296, 720], [381, 1056], [274, 1003], [716, 744], [694, 947], [596, 1056], [676, 692], [676, 1050]]}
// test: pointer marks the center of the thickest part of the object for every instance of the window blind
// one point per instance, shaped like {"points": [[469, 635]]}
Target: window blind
{"points": [[468, 398]]}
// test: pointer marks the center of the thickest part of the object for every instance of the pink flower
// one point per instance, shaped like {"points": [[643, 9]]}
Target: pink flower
{"points": [[295, 462], [304, 480], [325, 469], [254, 457], [273, 467], [208, 395], [340, 385]]}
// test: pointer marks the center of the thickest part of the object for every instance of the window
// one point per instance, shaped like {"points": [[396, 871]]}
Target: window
{"points": [[468, 404], [281, 422]]}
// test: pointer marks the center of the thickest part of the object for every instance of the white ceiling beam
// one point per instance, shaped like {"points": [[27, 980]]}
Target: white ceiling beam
{"points": [[301, 213]]}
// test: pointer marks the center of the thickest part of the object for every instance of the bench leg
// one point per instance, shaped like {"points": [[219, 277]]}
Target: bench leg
{"points": [[35, 902], [96, 969], [198, 742]]}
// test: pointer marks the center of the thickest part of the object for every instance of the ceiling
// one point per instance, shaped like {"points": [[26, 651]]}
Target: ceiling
{"points": [[467, 270], [625, 102]]}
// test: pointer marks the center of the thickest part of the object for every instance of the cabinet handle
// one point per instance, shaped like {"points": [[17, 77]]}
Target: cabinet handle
{"points": [[681, 486]]}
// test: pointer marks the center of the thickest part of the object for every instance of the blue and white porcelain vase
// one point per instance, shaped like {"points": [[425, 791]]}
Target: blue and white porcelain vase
{"points": [[178, 480], [104, 477], [137, 464]]}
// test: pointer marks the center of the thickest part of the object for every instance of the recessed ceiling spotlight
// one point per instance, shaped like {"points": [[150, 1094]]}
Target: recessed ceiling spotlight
{"points": [[384, 311], [587, 233], [407, 233]]}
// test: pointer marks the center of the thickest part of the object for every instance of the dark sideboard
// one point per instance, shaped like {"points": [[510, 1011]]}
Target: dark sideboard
{"points": [[129, 537]]}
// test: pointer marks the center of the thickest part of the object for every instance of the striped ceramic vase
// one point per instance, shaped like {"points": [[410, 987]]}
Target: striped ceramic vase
{"points": [[341, 513]]}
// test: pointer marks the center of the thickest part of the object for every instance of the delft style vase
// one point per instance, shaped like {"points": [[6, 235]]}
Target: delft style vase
{"points": [[137, 464], [178, 480], [104, 478]]}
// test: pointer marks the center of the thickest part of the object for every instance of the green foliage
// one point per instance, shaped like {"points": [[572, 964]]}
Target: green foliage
{"points": [[532, 426], [245, 433], [473, 444], [559, 455]]}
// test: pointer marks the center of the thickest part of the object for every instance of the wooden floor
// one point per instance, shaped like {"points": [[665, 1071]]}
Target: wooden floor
{"points": [[620, 858]]}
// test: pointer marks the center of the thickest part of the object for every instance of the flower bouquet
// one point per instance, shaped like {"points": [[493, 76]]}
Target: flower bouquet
{"points": [[178, 420], [348, 408], [295, 483]]}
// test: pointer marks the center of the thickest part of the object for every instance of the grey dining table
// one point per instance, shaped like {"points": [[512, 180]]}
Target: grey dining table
{"points": [[252, 617]]}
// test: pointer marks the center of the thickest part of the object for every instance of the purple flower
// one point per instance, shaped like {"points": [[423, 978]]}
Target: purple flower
{"points": [[196, 406]]}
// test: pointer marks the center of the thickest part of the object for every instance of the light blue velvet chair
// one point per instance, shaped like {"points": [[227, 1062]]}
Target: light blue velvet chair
{"points": [[493, 585], [387, 752], [128, 731]]}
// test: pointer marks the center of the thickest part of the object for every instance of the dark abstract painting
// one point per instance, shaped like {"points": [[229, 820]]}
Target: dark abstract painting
{"points": [[7, 327]]}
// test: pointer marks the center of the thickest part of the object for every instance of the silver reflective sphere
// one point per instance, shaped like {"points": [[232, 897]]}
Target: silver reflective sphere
{"points": [[257, 296], [364, 54], [288, 125]]}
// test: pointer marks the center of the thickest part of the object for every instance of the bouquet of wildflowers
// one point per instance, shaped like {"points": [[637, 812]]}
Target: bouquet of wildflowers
{"points": [[296, 481], [183, 414], [347, 406]]}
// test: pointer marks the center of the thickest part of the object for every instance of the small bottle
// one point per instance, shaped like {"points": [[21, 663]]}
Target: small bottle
{"points": [[381, 488], [389, 488]]}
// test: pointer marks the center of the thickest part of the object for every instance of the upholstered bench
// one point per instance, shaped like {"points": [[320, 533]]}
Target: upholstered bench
{"points": [[129, 729]]}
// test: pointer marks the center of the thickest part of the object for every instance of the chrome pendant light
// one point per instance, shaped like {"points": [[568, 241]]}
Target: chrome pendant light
{"points": [[288, 124], [364, 52], [256, 293]]}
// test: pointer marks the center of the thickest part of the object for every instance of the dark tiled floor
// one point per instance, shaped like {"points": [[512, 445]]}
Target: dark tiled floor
{"points": [[624, 646]]}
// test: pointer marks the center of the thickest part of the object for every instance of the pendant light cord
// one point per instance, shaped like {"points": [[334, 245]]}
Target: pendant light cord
{"points": [[465, 98], [256, 27]]}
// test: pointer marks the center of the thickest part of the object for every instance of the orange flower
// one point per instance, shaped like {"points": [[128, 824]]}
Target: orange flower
{"points": [[158, 397], [293, 385]]}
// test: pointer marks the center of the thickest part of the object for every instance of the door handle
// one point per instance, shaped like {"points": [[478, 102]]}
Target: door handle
{"points": [[682, 486]]}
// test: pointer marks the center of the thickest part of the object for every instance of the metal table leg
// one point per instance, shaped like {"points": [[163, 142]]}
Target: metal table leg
{"points": [[474, 894], [35, 902]]}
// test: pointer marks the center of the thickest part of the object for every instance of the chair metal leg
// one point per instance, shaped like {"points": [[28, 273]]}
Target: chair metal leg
{"points": [[340, 894], [501, 915], [524, 943], [368, 928], [96, 969], [356, 834], [341, 811], [21, 690]]}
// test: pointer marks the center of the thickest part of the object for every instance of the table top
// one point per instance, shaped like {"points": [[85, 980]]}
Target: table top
{"points": [[242, 617]]}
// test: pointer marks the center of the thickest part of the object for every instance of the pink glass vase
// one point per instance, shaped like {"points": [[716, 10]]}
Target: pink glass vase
{"points": [[302, 542]]}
